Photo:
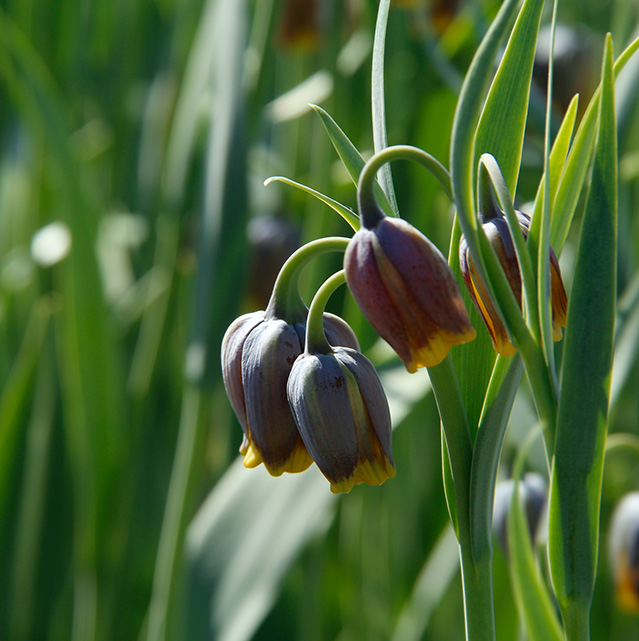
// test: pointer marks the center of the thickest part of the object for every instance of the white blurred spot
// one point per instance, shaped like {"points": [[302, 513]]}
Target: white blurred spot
{"points": [[51, 244]]}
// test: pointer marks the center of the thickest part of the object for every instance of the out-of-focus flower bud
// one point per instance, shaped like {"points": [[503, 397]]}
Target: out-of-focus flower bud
{"points": [[342, 414], [301, 25], [406, 290], [498, 234], [272, 239], [623, 542], [258, 352], [575, 64], [533, 496]]}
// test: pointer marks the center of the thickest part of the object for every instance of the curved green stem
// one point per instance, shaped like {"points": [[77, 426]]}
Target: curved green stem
{"points": [[286, 301], [370, 212], [316, 342]]}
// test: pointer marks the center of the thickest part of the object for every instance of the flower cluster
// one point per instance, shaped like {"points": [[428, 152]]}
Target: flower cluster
{"points": [[297, 381], [258, 352]]}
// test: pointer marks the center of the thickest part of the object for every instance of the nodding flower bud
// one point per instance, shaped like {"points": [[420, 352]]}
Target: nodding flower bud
{"points": [[623, 540], [498, 234], [342, 414], [406, 290], [533, 496], [258, 352]]}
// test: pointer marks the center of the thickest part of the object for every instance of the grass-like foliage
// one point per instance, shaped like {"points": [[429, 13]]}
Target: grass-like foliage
{"points": [[167, 167]]}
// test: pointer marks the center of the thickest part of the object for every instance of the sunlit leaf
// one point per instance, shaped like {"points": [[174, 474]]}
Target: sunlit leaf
{"points": [[585, 380]]}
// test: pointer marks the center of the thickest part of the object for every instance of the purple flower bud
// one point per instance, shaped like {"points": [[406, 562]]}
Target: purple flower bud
{"points": [[623, 542], [405, 288], [258, 352], [342, 414], [498, 234]]}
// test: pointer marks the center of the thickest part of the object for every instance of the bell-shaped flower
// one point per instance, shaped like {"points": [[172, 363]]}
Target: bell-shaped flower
{"points": [[498, 234], [623, 541], [258, 352], [342, 414], [406, 290]]}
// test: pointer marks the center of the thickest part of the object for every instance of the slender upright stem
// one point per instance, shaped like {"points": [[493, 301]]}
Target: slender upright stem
{"points": [[316, 342], [576, 619], [476, 573]]}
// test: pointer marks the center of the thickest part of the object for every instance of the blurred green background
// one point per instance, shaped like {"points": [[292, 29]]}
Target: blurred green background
{"points": [[134, 226]]}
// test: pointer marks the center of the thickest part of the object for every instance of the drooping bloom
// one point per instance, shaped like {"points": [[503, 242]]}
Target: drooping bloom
{"points": [[342, 414], [258, 352], [498, 234], [406, 290], [624, 552]]}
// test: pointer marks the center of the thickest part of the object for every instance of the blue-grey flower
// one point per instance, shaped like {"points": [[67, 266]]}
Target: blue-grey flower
{"points": [[342, 414], [258, 352]]}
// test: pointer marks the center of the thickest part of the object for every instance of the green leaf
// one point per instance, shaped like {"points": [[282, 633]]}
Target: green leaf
{"points": [[503, 121], [350, 156], [431, 585], [558, 155], [578, 161], [219, 253], [345, 212], [473, 361], [585, 381], [15, 395], [241, 543], [533, 599], [378, 106]]}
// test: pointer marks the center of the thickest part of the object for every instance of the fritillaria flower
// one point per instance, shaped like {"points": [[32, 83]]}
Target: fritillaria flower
{"points": [[498, 234], [342, 414], [624, 552], [406, 290], [258, 352]]}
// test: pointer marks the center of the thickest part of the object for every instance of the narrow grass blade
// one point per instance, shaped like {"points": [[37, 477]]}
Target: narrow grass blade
{"points": [[585, 382], [431, 585], [351, 158], [345, 212], [558, 156], [29, 540], [241, 543], [15, 395], [219, 254], [378, 99]]}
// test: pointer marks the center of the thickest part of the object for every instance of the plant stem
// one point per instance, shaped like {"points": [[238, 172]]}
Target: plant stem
{"points": [[477, 582], [476, 572], [576, 619], [286, 301], [370, 212], [316, 342]]}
